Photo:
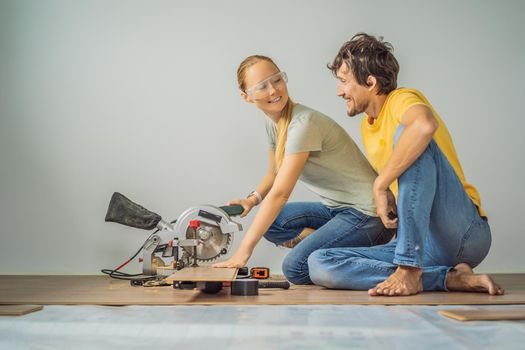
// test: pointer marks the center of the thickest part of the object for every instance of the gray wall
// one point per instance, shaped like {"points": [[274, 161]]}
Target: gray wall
{"points": [[140, 97]]}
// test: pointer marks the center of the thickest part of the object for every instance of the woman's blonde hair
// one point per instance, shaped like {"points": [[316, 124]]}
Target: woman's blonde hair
{"points": [[286, 113]]}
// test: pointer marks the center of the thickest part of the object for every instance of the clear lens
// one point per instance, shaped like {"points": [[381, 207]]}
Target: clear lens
{"points": [[262, 89]]}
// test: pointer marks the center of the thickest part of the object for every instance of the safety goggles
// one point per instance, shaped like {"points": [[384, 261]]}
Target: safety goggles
{"points": [[262, 89]]}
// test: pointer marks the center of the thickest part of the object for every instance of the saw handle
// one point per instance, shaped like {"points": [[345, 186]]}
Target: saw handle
{"points": [[233, 210]]}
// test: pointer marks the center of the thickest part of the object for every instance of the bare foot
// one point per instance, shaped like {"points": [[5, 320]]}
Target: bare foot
{"points": [[463, 279], [295, 241], [406, 280]]}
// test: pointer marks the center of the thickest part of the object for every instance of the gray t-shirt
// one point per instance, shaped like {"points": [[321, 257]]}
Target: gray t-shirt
{"points": [[336, 169]]}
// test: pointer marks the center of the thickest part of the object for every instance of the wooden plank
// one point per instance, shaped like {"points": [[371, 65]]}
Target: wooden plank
{"points": [[102, 290], [487, 314], [204, 274], [18, 310]]}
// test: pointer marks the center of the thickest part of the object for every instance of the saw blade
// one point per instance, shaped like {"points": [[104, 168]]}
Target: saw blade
{"points": [[212, 242]]}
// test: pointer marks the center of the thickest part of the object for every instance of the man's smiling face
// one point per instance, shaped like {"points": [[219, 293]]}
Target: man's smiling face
{"points": [[355, 95]]}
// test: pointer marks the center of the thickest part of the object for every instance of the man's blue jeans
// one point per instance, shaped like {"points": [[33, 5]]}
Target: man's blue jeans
{"points": [[439, 227], [334, 227]]}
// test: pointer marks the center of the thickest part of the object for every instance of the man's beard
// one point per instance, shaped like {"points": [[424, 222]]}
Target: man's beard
{"points": [[358, 109]]}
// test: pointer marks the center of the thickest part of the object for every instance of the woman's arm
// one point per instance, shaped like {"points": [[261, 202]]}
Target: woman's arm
{"points": [[267, 183], [276, 197]]}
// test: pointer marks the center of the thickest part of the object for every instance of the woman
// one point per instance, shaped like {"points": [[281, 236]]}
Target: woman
{"points": [[306, 145]]}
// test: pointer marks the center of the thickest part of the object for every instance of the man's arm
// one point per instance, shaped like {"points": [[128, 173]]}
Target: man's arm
{"points": [[420, 126]]}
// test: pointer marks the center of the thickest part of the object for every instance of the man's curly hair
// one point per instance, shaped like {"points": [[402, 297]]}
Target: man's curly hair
{"points": [[367, 55]]}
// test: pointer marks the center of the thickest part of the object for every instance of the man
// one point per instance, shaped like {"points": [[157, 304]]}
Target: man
{"points": [[442, 231]]}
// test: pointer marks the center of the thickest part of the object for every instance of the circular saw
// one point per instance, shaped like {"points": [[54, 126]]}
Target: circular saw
{"points": [[211, 228], [201, 233]]}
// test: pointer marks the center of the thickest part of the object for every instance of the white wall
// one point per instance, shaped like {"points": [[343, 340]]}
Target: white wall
{"points": [[140, 97]]}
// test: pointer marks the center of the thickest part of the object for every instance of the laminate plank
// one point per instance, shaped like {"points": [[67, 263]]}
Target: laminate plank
{"points": [[486, 314], [204, 274], [18, 310]]}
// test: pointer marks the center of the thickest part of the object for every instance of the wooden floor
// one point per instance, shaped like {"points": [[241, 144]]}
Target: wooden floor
{"points": [[101, 290]]}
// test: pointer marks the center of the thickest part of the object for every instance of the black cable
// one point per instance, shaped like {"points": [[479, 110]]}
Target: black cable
{"points": [[119, 275], [126, 277]]}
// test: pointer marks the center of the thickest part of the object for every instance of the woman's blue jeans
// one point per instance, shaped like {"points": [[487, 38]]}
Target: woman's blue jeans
{"points": [[439, 227], [334, 227]]}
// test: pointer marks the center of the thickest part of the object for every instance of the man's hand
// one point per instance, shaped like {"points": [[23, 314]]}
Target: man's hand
{"points": [[239, 259], [385, 203]]}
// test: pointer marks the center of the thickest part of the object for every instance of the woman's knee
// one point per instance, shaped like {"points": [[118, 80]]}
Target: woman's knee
{"points": [[325, 270], [319, 269], [272, 236], [277, 233], [292, 269]]}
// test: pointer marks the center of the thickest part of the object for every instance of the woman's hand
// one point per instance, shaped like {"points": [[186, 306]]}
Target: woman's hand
{"points": [[246, 203], [239, 259]]}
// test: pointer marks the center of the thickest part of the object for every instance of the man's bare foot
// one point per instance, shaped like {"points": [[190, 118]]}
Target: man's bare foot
{"points": [[463, 279], [406, 280]]}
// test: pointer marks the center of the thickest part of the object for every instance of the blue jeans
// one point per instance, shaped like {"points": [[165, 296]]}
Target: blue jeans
{"points": [[334, 227], [439, 227]]}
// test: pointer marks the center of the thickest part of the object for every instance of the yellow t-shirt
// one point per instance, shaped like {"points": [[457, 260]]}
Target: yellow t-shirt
{"points": [[378, 138]]}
